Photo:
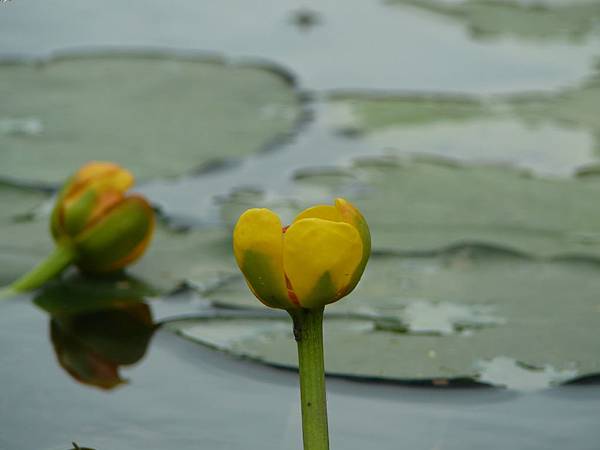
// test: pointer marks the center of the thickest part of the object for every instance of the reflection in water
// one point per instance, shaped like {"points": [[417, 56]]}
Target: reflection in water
{"points": [[104, 332], [91, 347]]}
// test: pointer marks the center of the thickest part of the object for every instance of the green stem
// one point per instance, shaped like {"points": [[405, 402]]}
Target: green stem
{"points": [[308, 331], [62, 256]]}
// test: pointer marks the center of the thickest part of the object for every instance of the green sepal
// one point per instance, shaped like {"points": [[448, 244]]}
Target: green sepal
{"points": [[323, 293], [365, 235], [76, 215], [259, 274], [115, 237], [55, 226]]}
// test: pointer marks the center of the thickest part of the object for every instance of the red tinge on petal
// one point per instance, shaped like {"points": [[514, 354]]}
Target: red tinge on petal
{"points": [[290, 291]]}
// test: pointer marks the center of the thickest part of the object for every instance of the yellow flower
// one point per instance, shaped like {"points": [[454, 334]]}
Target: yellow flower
{"points": [[315, 261], [108, 228]]}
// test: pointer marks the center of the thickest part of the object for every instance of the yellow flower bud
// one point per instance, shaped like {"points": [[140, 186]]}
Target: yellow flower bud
{"points": [[95, 225], [108, 228], [315, 261]]}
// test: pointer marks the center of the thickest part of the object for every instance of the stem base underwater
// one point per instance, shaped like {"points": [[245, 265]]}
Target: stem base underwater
{"points": [[308, 331]]}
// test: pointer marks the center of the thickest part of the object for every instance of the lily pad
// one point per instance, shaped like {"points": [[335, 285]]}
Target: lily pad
{"points": [[575, 108], [422, 205], [460, 314], [538, 20], [550, 134], [361, 112], [198, 257], [156, 114], [416, 206]]}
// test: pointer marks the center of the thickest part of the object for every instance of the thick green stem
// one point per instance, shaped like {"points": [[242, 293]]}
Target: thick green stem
{"points": [[308, 331], [62, 256]]}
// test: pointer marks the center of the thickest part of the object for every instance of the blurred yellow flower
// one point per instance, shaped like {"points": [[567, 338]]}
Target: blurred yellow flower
{"points": [[315, 261], [108, 228]]}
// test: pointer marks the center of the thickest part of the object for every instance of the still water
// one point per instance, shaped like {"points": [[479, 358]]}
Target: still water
{"points": [[182, 395]]}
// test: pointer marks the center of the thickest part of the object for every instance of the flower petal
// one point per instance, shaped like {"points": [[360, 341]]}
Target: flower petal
{"points": [[92, 190], [320, 258], [104, 175], [326, 212], [344, 211], [99, 177], [352, 215], [258, 249]]}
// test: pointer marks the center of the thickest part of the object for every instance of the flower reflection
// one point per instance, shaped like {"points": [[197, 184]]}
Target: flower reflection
{"points": [[97, 327]]}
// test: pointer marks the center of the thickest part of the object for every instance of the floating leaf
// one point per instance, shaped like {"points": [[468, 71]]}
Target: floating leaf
{"points": [[172, 260], [539, 20], [428, 205], [552, 134], [363, 112], [158, 115], [198, 257], [446, 316], [576, 108]]}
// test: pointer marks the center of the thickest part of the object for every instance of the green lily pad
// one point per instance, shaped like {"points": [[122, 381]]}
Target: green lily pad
{"points": [[550, 134], [158, 115], [353, 112], [423, 205], [199, 257], [575, 108], [472, 312], [540, 20]]}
